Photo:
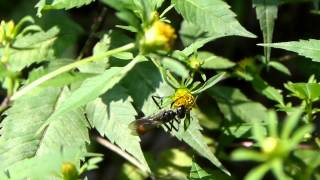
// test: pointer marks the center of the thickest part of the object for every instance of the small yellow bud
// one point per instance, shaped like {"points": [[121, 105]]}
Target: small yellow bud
{"points": [[69, 171], [160, 36], [10, 29], [183, 97], [6, 32], [270, 144], [195, 63]]}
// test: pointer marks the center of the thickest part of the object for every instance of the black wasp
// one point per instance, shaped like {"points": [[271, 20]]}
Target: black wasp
{"points": [[165, 117]]}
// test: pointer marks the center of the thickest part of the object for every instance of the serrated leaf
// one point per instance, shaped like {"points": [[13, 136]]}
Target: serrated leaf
{"points": [[307, 48], [69, 34], [36, 168], [98, 66], [197, 173], [212, 16], [191, 33], [193, 137], [60, 4], [32, 48], [142, 82], [25, 118], [93, 87], [211, 61], [111, 114], [267, 11]]}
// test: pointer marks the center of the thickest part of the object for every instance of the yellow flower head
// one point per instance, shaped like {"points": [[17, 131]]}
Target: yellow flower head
{"points": [[160, 36], [69, 171], [183, 97], [270, 144]]}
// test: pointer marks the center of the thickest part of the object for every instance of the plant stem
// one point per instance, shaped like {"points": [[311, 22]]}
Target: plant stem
{"points": [[70, 67], [122, 153], [309, 111]]}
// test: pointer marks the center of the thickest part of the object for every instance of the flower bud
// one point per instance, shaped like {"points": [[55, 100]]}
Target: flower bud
{"points": [[69, 171], [269, 145], [160, 36], [195, 63]]}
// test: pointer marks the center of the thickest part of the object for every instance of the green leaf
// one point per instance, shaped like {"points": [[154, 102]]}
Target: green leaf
{"points": [[211, 61], [191, 33], [98, 66], [32, 48], [209, 83], [111, 114], [307, 48], [258, 172], [270, 92], [236, 107], [280, 67], [143, 81], [196, 45], [246, 154], [93, 87], [46, 166], [291, 122], [213, 16], [69, 34], [197, 173], [304, 91], [193, 137], [60, 4], [25, 118], [175, 66], [267, 11]]}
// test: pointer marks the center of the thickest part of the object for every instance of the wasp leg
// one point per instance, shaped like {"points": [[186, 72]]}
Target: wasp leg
{"points": [[172, 126], [168, 127], [154, 98]]}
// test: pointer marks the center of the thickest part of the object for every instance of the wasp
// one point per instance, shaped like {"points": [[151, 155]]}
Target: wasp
{"points": [[165, 117]]}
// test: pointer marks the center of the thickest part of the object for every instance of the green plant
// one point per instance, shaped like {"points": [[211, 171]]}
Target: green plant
{"points": [[63, 98]]}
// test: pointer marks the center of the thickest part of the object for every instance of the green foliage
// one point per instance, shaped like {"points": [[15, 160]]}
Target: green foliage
{"points": [[221, 21], [19, 127], [308, 48], [267, 12], [72, 81], [60, 4]]}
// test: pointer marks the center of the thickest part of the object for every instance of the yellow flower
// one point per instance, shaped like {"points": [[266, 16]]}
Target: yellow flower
{"points": [[269, 145], [160, 36], [183, 97], [69, 171]]}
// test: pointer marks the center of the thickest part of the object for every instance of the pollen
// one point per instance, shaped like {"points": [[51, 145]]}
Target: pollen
{"points": [[183, 97]]}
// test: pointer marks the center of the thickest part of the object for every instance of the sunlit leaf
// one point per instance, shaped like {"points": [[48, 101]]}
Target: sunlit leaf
{"points": [[220, 21]]}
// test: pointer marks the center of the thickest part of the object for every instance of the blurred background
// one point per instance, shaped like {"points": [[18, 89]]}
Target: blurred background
{"points": [[295, 21]]}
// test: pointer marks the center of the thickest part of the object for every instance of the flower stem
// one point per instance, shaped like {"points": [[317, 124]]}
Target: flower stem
{"points": [[70, 67]]}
